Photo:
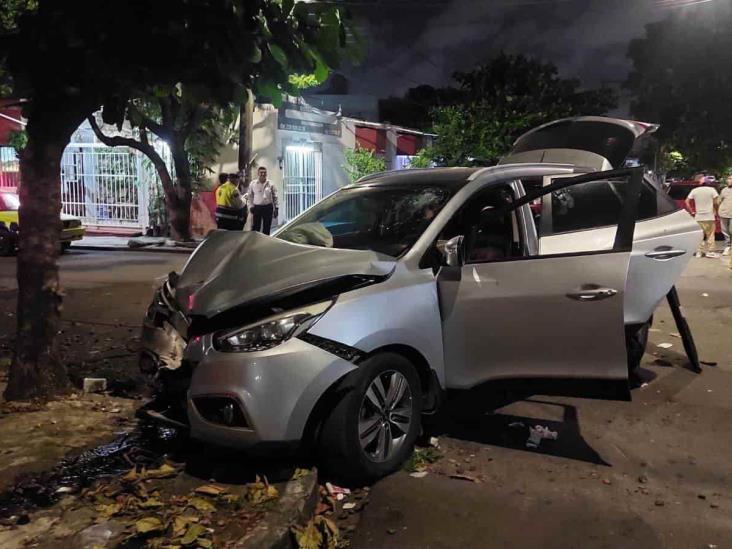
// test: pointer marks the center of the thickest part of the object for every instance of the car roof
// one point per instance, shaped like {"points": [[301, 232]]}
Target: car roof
{"points": [[452, 177]]}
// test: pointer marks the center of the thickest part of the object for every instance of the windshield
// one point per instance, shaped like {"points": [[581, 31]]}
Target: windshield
{"points": [[383, 219], [11, 202]]}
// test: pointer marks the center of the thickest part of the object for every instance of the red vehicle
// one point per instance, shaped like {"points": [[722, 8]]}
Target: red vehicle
{"points": [[680, 190]]}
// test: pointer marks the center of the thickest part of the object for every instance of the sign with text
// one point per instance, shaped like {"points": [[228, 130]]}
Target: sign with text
{"points": [[303, 118]]}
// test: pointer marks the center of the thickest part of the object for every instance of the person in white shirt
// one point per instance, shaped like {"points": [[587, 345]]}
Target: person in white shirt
{"points": [[725, 213], [705, 206], [262, 201]]}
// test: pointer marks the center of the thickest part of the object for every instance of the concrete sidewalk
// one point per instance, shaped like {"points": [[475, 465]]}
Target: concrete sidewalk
{"points": [[137, 243]]}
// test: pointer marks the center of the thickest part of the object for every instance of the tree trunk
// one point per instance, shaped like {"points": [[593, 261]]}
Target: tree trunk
{"points": [[246, 128], [37, 371], [178, 198]]}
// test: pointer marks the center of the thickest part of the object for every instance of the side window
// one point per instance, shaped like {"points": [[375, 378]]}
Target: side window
{"points": [[591, 205], [489, 226]]}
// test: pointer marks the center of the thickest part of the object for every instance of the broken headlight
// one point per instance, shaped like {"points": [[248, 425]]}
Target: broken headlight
{"points": [[270, 332]]}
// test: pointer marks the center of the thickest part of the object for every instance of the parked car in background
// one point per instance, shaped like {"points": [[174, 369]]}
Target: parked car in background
{"points": [[679, 191], [435, 279], [9, 225]]}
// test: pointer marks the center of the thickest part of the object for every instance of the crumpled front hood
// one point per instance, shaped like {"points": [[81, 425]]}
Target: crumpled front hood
{"points": [[232, 268]]}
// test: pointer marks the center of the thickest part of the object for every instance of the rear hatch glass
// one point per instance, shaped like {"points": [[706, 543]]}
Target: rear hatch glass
{"points": [[610, 140]]}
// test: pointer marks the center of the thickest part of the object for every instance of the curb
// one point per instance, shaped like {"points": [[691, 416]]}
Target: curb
{"points": [[158, 249], [296, 506]]}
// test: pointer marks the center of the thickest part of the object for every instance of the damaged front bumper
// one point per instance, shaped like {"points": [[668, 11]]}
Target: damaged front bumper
{"points": [[235, 399]]}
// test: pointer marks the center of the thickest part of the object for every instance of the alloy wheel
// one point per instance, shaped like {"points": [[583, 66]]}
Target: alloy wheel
{"points": [[385, 416]]}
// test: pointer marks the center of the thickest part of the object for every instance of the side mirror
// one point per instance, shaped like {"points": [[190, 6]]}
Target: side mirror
{"points": [[454, 251]]}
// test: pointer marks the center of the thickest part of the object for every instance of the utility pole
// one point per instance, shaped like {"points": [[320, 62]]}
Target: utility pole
{"points": [[246, 126]]}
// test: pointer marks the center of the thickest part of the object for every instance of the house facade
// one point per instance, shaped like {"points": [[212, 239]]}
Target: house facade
{"points": [[303, 149]]}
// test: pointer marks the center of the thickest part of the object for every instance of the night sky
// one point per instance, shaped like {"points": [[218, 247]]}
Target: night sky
{"points": [[412, 42]]}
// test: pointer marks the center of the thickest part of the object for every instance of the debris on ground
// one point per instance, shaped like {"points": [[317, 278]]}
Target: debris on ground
{"points": [[539, 433], [337, 492], [434, 442], [665, 345], [674, 334], [421, 458], [465, 477], [95, 384], [319, 533], [418, 474], [708, 362], [260, 491]]}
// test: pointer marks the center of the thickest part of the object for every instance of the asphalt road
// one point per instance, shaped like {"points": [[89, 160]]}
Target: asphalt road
{"points": [[89, 269], [652, 473]]}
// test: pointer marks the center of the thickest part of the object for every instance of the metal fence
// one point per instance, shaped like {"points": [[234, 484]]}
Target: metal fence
{"points": [[9, 168], [302, 180], [108, 186]]}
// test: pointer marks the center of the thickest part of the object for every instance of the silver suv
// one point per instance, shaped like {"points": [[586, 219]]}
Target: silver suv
{"points": [[348, 324]]}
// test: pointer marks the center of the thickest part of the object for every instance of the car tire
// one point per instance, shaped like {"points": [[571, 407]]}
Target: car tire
{"points": [[362, 441], [636, 339], [7, 246]]}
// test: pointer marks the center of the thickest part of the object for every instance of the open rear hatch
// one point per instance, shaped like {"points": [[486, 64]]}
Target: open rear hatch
{"points": [[594, 142]]}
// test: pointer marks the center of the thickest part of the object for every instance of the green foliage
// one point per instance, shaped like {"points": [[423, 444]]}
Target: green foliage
{"points": [[362, 162], [303, 81], [18, 139], [217, 128], [423, 159], [495, 103], [681, 79]]}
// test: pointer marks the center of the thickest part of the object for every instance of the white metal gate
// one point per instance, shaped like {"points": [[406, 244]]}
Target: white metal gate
{"points": [[109, 186], [303, 179]]}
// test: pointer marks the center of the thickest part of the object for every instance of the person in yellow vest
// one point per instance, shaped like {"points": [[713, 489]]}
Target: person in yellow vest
{"points": [[230, 210]]}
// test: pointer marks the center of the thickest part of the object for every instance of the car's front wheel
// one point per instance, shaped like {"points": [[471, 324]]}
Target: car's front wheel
{"points": [[372, 429]]}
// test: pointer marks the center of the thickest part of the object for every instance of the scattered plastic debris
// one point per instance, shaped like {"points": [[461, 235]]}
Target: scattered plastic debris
{"points": [[537, 434], [644, 384], [705, 294], [336, 491], [349, 506], [95, 384], [665, 345], [434, 442], [674, 334], [418, 474], [465, 477]]}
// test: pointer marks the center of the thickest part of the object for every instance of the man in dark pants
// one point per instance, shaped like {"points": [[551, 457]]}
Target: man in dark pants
{"points": [[230, 210], [262, 201]]}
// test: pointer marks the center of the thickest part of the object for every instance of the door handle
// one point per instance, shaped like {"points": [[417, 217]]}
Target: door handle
{"points": [[594, 294], [664, 254]]}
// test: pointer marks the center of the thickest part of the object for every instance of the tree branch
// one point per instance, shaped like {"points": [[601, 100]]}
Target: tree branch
{"points": [[149, 123], [143, 146]]}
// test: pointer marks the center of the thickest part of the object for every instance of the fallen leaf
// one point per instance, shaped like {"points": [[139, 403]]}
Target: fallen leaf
{"points": [[164, 471], [109, 510], [148, 524], [131, 476], [211, 490], [260, 491], [300, 473], [201, 505], [150, 503], [192, 534], [308, 537], [205, 543]]}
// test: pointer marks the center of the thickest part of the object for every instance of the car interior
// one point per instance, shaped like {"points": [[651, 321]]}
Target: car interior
{"points": [[489, 226]]}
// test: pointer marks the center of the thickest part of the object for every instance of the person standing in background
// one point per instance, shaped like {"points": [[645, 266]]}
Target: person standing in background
{"points": [[725, 213], [262, 202], [705, 206], [230, 211]]}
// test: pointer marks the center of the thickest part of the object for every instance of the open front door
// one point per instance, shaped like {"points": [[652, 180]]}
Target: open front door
{"points": [[511, 313]]}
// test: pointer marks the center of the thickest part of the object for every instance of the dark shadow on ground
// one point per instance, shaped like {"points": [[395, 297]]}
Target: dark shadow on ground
{"points": [[475, 416]]}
